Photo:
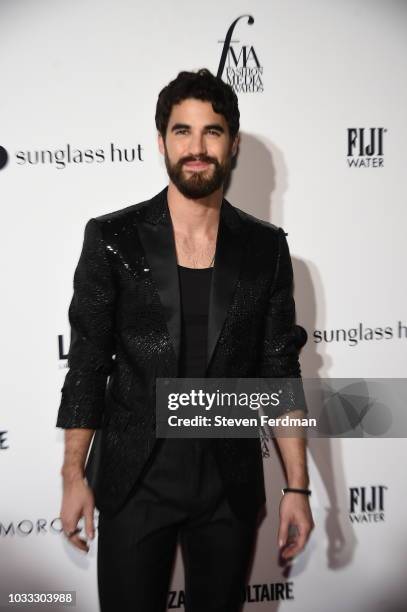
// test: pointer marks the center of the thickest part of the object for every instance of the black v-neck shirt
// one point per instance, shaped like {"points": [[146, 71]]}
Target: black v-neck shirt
{"points": [[195, 284], [175, 453]]}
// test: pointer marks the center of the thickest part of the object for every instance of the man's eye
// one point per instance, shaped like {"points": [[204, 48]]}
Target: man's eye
{"points": [[181, 131], [214, 132]]}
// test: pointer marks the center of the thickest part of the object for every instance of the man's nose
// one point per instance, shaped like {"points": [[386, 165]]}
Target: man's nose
{"points": [[197, 144]]}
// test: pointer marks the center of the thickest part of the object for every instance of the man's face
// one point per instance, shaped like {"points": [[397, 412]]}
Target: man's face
{"points": [[197, 149]]}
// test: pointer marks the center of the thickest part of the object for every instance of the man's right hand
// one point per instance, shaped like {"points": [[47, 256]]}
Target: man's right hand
{"points": [[77, 502]]}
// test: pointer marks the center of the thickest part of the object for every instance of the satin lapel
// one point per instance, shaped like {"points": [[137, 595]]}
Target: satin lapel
{"points": [[157, 237], [228, 260]]}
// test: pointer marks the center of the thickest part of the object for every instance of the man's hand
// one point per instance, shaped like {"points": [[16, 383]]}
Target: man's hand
{"points": [[77, 502], [295, 513]]}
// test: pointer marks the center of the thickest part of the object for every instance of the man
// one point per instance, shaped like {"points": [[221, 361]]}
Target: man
{"points": [[182, 285]]}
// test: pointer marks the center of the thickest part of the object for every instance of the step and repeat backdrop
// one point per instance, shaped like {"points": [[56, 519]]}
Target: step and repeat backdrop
{"points": [[323, 97]]}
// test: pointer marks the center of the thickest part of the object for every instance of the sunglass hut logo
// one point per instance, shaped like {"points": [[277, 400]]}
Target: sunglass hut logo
{"points": [[71, 156], [239, 64]]}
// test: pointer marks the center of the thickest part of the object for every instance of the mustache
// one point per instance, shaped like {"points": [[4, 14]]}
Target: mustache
{"points": [[198, 158]]}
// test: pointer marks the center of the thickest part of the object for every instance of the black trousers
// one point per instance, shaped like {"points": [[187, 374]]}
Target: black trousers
{"points": [[180, 498]]}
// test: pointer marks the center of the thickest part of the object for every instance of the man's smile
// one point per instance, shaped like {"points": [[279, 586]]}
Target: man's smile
{"points": [[196, 165]]}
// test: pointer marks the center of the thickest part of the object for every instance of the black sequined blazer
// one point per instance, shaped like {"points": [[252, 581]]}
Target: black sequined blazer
{"points": [[125, 332]]}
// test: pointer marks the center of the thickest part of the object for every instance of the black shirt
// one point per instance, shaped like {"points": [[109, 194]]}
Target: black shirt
{"points": [[174, 453], [195, 286]]}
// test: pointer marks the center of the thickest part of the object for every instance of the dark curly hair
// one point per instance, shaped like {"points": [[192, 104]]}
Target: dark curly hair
{"points": [[202, 85]]}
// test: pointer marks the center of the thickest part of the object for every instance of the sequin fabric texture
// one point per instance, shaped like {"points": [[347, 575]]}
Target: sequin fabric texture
{"points": [[120, 341]]}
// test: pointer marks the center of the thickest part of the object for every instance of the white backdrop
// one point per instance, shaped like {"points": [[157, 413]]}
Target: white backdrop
{"points": [[86, 76]]}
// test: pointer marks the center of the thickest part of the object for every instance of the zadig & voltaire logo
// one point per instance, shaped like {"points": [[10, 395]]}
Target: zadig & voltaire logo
{"points": [[243, 70]]}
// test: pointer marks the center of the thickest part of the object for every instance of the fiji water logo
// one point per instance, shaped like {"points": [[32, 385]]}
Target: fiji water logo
{"points": [[365, 147], [366, 504]]}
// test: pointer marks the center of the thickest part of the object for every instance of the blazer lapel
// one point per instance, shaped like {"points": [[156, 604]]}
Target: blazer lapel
{"points": [[228, 260], [157, 237]]}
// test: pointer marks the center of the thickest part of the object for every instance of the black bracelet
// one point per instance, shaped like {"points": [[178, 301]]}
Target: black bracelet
{"points": [[293, 490]]}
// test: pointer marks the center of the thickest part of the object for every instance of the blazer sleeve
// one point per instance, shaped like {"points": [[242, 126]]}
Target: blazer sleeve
{"points": [[91, 318], [283, 339]]}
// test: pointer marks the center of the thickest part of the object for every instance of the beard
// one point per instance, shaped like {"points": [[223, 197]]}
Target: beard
{"points": [[201, 183]]}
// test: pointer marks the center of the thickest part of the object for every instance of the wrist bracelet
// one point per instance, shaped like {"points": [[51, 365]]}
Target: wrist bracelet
{"points": [[294, 490]]}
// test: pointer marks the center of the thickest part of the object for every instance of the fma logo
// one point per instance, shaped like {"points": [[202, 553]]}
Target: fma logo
{"points": [[365, 147], [366, 504], [243, 70]]}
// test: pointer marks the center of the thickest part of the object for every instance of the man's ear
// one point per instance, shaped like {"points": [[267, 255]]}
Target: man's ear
{"points": [[160, 143], [235, 144]]}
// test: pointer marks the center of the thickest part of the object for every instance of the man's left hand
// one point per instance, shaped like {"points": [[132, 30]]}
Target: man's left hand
{"points": [[295, 513]]}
